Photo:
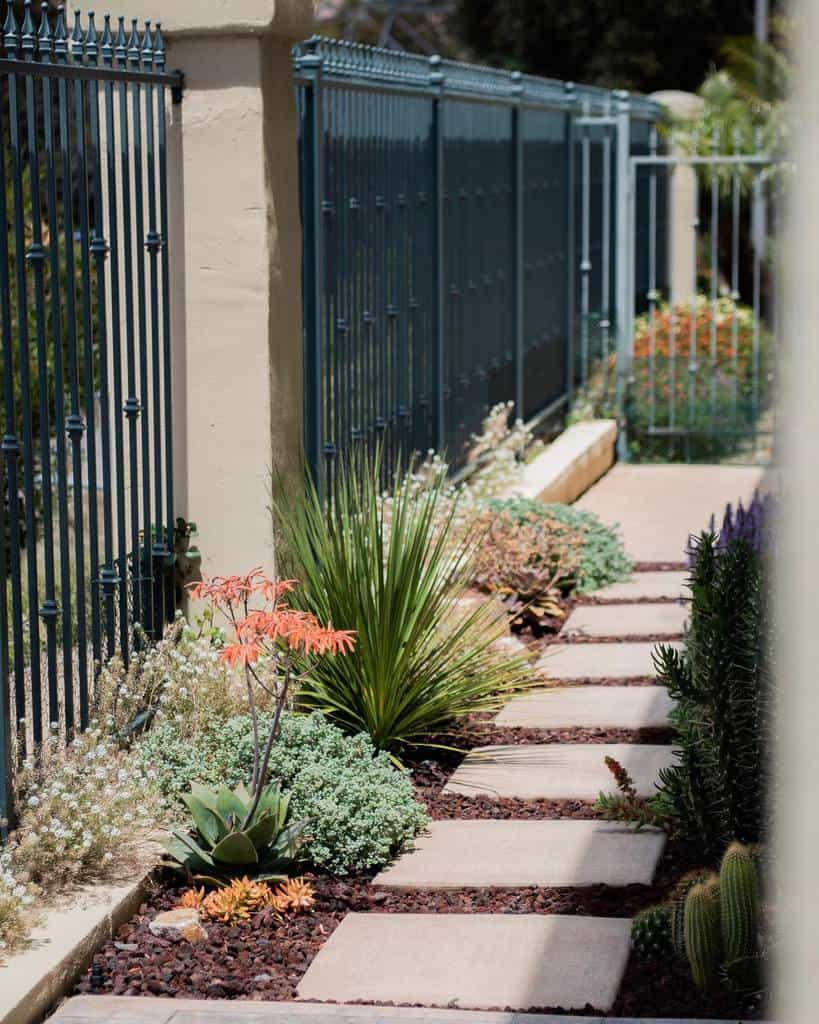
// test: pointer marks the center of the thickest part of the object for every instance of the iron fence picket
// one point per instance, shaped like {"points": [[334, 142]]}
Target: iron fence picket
{"points": [[83, 131], [491, 153]]}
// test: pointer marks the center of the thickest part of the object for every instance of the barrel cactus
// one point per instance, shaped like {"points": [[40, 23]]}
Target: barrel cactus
{"points": [[739, 916], [701, 923], [651, 934]]}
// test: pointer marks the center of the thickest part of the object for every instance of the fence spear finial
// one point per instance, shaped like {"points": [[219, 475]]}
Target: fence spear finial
{"points": [[44, 35], [77, 38], [27, 31], [159, 46], [107, 41], [147, 51], [134, 44], [91, 39], [120, 43]]}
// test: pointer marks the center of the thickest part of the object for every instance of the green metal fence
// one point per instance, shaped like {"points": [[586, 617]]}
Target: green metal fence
{"points": [[87, 516], [442, 204]]}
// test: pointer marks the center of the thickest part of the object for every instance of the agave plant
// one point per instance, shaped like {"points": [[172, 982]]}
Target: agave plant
{"points": [[232, 836], [391, 568]]}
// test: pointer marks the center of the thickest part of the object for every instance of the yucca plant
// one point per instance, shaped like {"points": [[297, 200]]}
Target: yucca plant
{"points": [[390, 567]]}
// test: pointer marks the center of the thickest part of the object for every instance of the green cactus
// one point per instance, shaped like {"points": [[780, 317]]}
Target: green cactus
{"points": [[702, 931], [651, 934], [676, 909], [739, 916]]}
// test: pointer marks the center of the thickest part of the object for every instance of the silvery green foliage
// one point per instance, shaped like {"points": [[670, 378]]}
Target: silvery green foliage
{"points": [[361, 808]]}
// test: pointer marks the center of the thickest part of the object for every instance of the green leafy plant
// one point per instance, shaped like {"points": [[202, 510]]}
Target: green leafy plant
{"points": [[721, 687], [651, 934], [602, 557], [236, 831], [625, 804], [388, 571], [361, 808]]}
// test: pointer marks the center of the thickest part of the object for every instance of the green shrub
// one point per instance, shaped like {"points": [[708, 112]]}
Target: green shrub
{"points": [[721, 685], [361, 809], [603, 559], [386, 567]]}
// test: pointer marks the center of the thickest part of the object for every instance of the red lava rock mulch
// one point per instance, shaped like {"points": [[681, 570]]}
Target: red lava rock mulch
{"points": [[661, 566], [637, 638]]}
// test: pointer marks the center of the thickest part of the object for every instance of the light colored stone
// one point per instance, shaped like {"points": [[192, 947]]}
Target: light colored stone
{"points": [[293, 18], [509, 854], [599, 661], [557, 771], [658, 507], [571, 463], [61, 947], [611, 707], [183, 921], [88, 1009], [647, 586], [607, 620], [472, 960]]}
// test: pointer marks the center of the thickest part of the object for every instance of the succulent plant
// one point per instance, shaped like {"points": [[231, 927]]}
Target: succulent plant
{"points": [[739, 916], [235, 903], [651, 934], [676, 908], [235, 833], [701, 924]]}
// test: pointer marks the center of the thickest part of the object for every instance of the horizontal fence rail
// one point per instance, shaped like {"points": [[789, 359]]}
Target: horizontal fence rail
{"points": [[86, 403], [443, 225]]}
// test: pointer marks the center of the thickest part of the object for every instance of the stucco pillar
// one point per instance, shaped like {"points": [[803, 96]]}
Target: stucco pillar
{"points": [[682, 204], [235, 240]]}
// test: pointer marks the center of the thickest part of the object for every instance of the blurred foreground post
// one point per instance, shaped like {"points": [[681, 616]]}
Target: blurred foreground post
{"points": [[797, 824]]}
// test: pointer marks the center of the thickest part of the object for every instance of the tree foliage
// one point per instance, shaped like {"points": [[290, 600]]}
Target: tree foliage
{"points": [[634, 44]]}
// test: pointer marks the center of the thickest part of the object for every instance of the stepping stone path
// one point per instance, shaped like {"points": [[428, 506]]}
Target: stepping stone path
{"points": [[556, 771], [471, 960], [578, 662], [589, 707], [519, 961], [604, 620], [510, 854]]}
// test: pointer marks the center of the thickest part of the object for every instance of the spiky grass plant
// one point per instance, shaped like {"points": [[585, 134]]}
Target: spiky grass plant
{"points": [[390, 568]]}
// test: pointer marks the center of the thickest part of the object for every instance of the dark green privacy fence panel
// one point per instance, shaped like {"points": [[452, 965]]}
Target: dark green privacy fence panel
{"points": [[446, 208], [86, 401]]}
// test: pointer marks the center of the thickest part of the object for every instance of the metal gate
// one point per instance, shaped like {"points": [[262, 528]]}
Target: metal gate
{"points": [[87, 476], [696, 355]]}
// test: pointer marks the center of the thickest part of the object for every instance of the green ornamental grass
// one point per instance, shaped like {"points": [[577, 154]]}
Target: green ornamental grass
{"points": [[392, 571]]}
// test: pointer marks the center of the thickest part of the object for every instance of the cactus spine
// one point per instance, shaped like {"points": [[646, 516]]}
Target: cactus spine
{"points": [[701, 924], [739, 915]]}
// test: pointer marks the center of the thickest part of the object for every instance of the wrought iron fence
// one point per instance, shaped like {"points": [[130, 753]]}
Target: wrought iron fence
{"points": [[441, 206], [85, 316]]}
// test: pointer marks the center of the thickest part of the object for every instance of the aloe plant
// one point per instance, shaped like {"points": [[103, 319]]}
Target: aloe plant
{"points": [[231, 836]]}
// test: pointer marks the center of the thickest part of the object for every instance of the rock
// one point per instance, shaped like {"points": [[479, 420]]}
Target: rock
{"points": [[183, 922]]}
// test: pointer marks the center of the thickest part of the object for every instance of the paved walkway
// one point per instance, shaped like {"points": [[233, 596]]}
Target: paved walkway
{"points": [[472, 961]]}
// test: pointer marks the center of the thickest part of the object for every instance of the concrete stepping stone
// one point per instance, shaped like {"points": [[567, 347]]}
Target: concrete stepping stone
{"points": [[598, 620], [510, 854], [645, 586], [472, 960], [612, 707], [598, 661], [556, 771]]}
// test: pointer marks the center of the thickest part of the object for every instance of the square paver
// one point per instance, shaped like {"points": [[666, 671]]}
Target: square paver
{"points": [[612, 707], [645, 586], [472, 960], [599, 620], [556, 771], [510, 854], [599, 661]]}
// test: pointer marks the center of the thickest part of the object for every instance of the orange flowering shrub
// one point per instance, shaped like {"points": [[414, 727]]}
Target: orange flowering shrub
{"points": [[275, 646], [711, 385]]}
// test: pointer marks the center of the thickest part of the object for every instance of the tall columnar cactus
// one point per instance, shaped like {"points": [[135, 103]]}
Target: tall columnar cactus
{"points": [[702, 931], [739, 916], [677, 909]]}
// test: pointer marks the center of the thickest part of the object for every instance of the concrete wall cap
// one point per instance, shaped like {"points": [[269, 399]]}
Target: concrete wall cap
{"points": [[681, 104], [289, 19]]}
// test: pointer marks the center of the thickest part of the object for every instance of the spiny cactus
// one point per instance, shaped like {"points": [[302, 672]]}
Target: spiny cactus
{"points": [[702, 931], [651, 934], [739, 916], [676, 909]]}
